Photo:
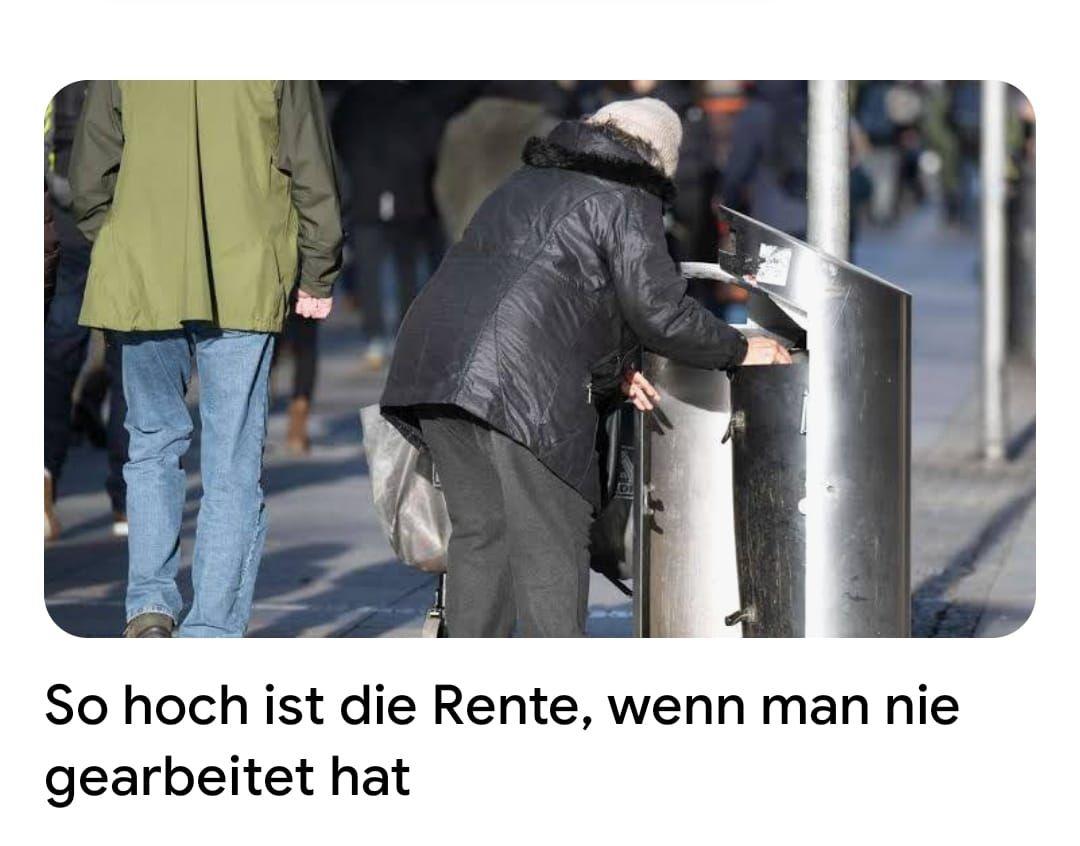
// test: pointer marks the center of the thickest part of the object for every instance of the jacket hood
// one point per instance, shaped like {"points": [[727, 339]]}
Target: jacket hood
{"points": [[577, 146]]}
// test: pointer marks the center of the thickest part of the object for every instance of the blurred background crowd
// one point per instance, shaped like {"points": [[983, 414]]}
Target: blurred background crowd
{"points": [[417, 158]]}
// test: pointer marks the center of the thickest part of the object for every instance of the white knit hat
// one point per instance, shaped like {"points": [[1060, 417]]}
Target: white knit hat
{"points": [[651, 120]]}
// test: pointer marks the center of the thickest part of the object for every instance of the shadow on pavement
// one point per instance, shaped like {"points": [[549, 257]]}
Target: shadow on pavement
{"points": [[930, 601]]}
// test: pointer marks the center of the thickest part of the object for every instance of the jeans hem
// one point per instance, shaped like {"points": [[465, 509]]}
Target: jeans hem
{"points": [[153, 609]]}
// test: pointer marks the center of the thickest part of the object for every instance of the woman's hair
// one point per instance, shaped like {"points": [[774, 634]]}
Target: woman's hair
{"points": [[632, 142]]}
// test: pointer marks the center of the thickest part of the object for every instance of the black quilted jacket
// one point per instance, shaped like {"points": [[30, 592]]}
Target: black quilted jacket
{"points": [[532, 318]]}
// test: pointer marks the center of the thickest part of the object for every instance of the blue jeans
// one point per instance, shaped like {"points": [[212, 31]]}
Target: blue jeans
{"points": [[233, 396]]}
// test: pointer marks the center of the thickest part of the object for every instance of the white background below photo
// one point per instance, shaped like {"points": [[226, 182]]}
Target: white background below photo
{"points": [[1004, 772]]}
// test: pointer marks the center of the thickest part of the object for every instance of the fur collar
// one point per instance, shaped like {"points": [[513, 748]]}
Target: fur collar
{"points": [[543, 152]]}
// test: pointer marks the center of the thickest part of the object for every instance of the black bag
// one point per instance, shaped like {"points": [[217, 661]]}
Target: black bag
{"points": [[610, 535]]}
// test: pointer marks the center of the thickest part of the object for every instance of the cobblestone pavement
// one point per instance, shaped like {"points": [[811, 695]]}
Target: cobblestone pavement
{"points": [[328, 572]]}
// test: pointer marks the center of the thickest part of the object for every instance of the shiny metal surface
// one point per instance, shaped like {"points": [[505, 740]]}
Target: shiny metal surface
{"points": [[828, 167], [691, 577], [769, 481], [856, 328], [640, 524], [858, 333], [994, 159], [858, 457]]}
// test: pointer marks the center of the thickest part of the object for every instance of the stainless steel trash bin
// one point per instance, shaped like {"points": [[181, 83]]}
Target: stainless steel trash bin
{"points": [[693, 585], [768, 446], [792, 484]]}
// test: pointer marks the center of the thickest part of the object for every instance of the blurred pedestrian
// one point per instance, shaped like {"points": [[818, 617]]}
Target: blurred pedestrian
{"points": [[481, 146], [191, 261], [964, 116], [301, 335], [690, 222], [1021, 232], [67, 343], [531, 325], [893, 116], [860, 187], [52, 253], [765, 175], [386, 134]]}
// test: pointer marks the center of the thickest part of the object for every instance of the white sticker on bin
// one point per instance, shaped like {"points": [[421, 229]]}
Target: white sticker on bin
{"points": [[773, 269]]}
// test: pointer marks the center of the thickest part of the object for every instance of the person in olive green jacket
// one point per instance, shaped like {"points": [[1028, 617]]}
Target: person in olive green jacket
{"points": [[207, 203]]}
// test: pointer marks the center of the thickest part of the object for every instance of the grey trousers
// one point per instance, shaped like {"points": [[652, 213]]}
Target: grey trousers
{"points": [[519, 541]]}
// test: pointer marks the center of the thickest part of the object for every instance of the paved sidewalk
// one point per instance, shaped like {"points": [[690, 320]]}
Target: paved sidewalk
{"points": [[972, 525], [328, 572]]}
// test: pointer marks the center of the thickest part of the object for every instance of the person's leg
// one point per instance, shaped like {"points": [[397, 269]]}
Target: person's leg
{"points": [[91, 391], [65, 352], [234, 371], [479, 593], [548, 531], [370, 249], [409, 248], [156, 372], [302, 335], [117, 433]]}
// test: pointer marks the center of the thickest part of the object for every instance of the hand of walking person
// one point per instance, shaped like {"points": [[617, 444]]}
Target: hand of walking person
{"points": [[765, 351], [313, 307], [640, 391]]}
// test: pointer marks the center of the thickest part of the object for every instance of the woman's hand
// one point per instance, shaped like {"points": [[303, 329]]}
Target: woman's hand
{"points": [[765, 351], [313, 307], [640, 392]]}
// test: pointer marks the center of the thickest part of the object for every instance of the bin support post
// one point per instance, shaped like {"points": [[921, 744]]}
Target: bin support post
{"points": [[640, 518], [858, 450], [828, 167], [827, 228], [995, 293]]}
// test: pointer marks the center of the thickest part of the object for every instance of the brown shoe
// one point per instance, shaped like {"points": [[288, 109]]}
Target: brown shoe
{"points": [[52, 522], [296, 440], [150, 624]]}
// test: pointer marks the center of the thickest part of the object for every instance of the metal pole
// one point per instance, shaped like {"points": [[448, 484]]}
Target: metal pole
{"points": [[640, 517], [827, 228], [857, 581], [828, 198], [995, 293]]}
